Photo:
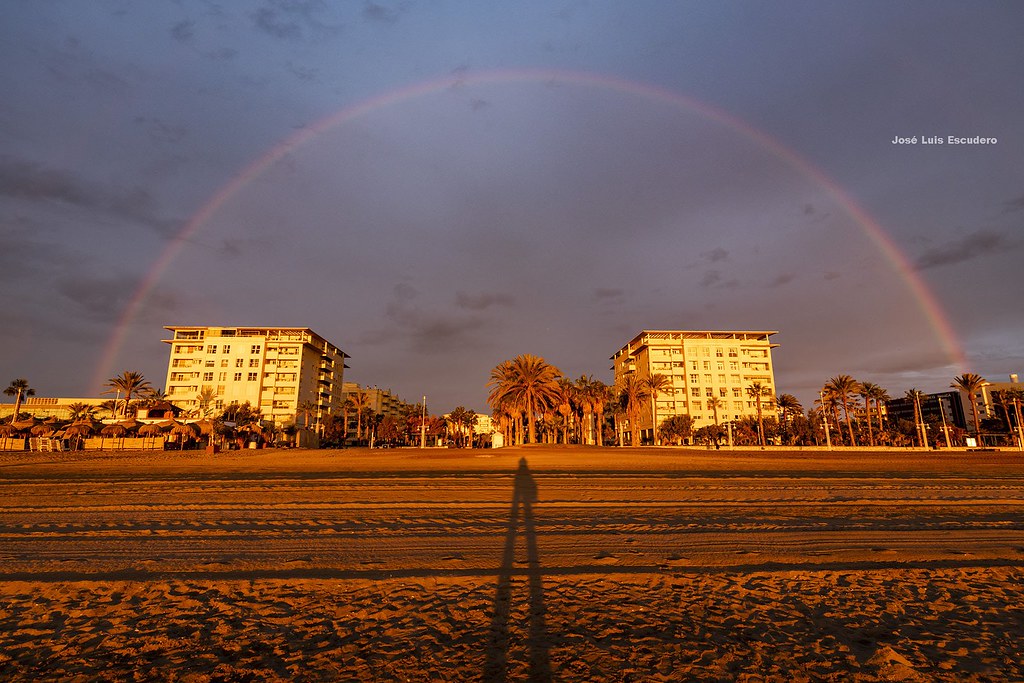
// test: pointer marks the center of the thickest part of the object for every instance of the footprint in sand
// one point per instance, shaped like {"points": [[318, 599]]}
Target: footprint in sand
{"points": [[606, 558]]}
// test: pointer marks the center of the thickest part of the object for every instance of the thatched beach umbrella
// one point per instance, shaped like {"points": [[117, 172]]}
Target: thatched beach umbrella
{"points": [[41, 430], [130, 424], [24, 425], [150, 430], [186, 430], [8, 430], [113, 430], [204, 426], [169, 424], [79, 429]]}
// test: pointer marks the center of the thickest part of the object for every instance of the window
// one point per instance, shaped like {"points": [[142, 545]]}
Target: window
{"points": [[224, 363], [226, 348], [733, 365], [254, 362], [238, 377], [256, 348], [207, 376], [707, 378], [736, 394], [718, 352], [732, 353], [694, 379], [212, 348], [694, 365], [252, 376], [696, 405], [707, 365], [721, 379], [709, 392], [222, 376], [720, 365], [695, 392], [239, 362]]}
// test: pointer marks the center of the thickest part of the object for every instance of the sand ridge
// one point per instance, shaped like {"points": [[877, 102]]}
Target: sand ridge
{"points": [[523, 564]]}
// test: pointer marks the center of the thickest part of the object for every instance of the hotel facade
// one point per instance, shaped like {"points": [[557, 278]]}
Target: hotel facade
{"points": [[700, 365], [275, 369]]}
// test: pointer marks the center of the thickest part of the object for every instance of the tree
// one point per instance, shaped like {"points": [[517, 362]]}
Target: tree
{"points": [[970, 383], [656, 384], [715, 403], [601, 395], [789, 408], [632, 393], [677, 428], [756, 391], [20, 389], [867, 391], [527, 383], [842, 387], [307, 409], [131, 384], [81, 412], [565, 400], [207, 398], [915, 395], [360, 401]]}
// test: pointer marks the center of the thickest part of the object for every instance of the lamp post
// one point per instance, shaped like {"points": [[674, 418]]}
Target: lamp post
{"points": [[945, 427], [824, 421], [423, 424]]}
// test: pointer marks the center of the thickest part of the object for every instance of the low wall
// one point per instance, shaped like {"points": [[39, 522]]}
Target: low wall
{"points": [[12, 443], [137, 443]]}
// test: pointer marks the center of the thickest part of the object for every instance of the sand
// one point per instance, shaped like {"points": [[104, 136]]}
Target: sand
{"points": [[561, 564]]}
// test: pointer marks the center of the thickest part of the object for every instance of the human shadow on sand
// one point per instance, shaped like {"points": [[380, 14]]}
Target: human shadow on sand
{"points": [[524, 496]]}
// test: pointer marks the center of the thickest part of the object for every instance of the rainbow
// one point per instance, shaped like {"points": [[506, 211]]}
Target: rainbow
{"points": [[930, 307]]}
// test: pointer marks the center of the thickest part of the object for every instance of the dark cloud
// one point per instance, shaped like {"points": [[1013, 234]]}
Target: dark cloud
{"points": [[104, 298], [270, 21], [480, 302], [782, 279], [609, 294], [26, 180], [977, 244], [294, 20], [716, 255], [713, 279], [1015, 204], [380, 13], [183, 31]]}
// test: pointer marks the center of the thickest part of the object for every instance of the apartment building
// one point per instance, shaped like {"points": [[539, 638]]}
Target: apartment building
{"points": [[277, 369], [701, 365], [380, 401]]}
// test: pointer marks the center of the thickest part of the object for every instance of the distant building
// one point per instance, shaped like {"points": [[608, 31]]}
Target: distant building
{"points": [[275, 369], [381, 401], [987, 406], [60, 408], [945, 405], [701, 365]]}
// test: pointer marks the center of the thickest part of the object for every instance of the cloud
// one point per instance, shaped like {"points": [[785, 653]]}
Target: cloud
{"points": [[379, 13], [716, 255], [292, 19], [483, 301], [713, 280], [183, 31], [609, 294], [967, 248], [26, 180], [780, 280], [1015, 204], [105, 298]]}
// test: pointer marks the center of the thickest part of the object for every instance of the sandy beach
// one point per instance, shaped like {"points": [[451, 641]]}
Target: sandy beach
{"points": [[561, 564]]}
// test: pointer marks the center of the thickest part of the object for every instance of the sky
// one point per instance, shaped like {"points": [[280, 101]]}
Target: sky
{"points": [[436, 187]]}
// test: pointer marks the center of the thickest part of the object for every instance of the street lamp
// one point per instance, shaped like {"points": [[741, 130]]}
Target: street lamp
{"points": [[423, 424], [824, 421]]}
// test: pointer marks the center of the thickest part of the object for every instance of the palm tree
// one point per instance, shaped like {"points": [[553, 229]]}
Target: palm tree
{"points": [[600, 395], [970, 383], [633, 393], [656, 384], [843, 386], [756, 391], [81, 412], [715, 403], [305, 409], [529, 383], [915, 396], [206, 398], [564, 402], [867, 391], [360, 405], [130, 383], [789, 406], [18, 388]]}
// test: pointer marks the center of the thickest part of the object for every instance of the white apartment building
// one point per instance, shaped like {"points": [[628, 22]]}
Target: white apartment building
{"points": [[701, 365], [275, 369]]}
